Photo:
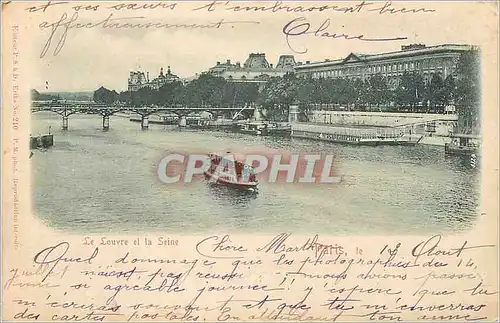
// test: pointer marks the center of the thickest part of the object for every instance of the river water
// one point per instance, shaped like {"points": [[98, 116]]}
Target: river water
{"points": [[93, 181]]}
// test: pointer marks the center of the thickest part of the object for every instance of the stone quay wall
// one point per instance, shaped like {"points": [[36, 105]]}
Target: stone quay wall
{"points": [[428, 124]]}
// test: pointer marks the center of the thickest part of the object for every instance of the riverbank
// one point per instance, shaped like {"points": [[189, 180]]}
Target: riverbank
{"points": [[365, 131], [355, 128]]}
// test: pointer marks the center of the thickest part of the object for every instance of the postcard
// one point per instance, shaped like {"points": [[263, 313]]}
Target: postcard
{"points": [[249, 161]]}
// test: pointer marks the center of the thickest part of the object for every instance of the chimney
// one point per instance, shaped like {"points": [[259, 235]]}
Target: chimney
{"points": [[271, 65], [228, 61], [308, 62], [147, 78], [218, 63]]}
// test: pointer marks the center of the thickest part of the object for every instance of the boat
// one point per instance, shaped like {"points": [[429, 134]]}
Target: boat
{"points": [[252, 128], [402, 140], [276, 129], [157, 119], [242, 177], [462, 145], [261, 128], [42, 141], [358, 136]]}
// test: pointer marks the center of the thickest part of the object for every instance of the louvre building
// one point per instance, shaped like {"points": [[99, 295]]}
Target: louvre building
{"points": [[440, 60], [255, 69]]}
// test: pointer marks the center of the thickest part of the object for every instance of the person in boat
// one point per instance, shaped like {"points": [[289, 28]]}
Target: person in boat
{"points": [[239, 168]]}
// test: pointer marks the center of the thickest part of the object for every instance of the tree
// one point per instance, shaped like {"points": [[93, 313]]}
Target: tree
{"points": [[169, 94], [244, 93], [125, 97], [449, 90], [37, 96], [467, 91], [141, 97], [277, 95], [103, 95], [378, 90], [205, 90], [410, 91], [361, 94], [435, 93], [304, 97]]}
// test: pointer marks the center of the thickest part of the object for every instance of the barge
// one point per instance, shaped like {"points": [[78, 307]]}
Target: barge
{"points": [[261, 128], [366, 137], [462, 145]]}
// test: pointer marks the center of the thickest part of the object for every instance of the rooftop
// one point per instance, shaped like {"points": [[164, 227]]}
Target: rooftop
{"points": [[408, 50]]}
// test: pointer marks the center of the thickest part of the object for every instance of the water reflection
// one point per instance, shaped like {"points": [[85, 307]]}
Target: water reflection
{"points": [[463, 162], [233, 195], [109, 180]]}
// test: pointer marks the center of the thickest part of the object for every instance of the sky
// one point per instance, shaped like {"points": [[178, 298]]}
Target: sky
{"points": [[104, 56]]}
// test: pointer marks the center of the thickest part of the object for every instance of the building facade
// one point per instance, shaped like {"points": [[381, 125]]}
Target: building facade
{"points": [[256, 69], [426, 61], [138, 80]]}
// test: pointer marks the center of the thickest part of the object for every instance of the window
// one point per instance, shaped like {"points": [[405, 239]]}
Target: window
{"points": [[406, 66], [412, 65]]}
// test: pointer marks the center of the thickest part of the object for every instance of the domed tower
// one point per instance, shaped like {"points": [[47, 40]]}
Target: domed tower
{"points": [[256, 60], [286, 62]]}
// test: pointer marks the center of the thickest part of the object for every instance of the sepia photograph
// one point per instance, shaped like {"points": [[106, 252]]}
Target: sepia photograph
{"points": [[399, 118]]}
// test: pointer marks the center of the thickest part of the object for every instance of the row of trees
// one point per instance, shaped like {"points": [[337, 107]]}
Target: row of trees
{"points": [[37, 96], [206, 90], [412, 93]]}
